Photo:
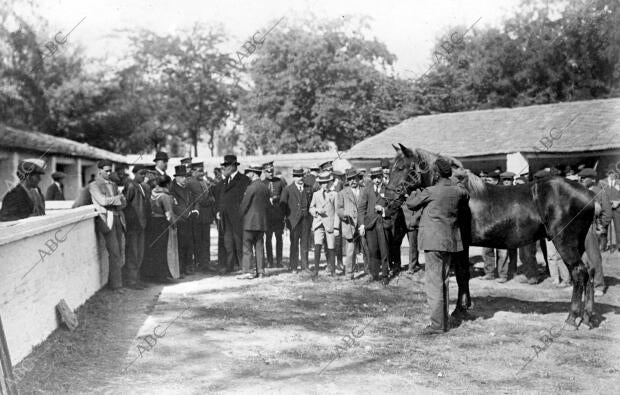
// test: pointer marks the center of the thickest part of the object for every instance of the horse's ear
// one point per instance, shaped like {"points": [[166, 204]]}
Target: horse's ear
{"points": [[396, 148], [406, 151]]}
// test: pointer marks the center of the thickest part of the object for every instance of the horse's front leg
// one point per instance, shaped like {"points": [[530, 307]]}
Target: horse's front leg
{"points": [[579, 277], [589, 299], [461, 271]]}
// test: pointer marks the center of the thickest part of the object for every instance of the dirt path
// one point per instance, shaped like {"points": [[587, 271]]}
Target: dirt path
{"points": [[279, 335]]}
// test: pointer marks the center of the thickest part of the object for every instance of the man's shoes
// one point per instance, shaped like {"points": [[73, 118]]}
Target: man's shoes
{"points": [[430, 330], [563, 284], [533, 281], [599, 292], [190, 270], [246, 276], [118, 290], [168, 280], [136, 287], [488, 277], [502, 280], [262, 275]]}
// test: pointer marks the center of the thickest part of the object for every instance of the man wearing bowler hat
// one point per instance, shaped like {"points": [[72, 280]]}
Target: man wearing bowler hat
{"points": [[161, 163], [295, 202], [26, 199], [201, 224], [231, 193], [253, 210], [275, 215], [56, 191], [184, 208]]}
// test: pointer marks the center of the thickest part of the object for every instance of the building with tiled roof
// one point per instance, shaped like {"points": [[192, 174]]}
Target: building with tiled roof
{"points": [[77, 160], [532, 137]]}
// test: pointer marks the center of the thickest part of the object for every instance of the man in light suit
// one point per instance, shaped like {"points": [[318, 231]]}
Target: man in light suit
{"points": [[613, 193], [230, 194], [56, 190], [136, 213], [323, 209], [295, 202], [370, 217], [440, 238], [347, 201], [253, 209], [111, 221]]}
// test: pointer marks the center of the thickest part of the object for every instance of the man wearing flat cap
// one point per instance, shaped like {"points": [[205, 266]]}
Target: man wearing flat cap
{"points": [[25, 200], [347, 202], [275, 215], [201, 224], [161, 163], [295, 203], [137, 210], [440, 238], [253, 209], [326, 166], [370, 217], [56, 191], [111, 220], [187, 162], [323, 209], [231, 194]]}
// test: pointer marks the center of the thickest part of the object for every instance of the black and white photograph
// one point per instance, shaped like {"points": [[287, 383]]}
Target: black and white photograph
{"points": [[212, 197]]}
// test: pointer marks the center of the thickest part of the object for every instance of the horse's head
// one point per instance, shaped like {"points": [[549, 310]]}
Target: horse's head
{"points": [[412, 169]]}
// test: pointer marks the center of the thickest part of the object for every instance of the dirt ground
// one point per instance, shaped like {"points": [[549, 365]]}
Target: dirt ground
{"points": [[289, 333]]}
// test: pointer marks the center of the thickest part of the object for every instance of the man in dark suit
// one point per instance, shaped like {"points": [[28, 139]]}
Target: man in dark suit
{"points": [[370, 216], [275, 215], [161, 163], [612, 189], [440, 238], [231, 193], [253, 209], [201, 224], [295, 201], [184, 210], [26, 199], [136, 214], [56, 190], [347, 201]]}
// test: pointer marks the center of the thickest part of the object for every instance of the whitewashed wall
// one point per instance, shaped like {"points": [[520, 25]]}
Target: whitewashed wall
{"points": [[73, 267]]}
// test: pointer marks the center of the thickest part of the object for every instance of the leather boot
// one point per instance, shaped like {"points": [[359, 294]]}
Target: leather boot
{"points": [[331, 261], [317, 258]]}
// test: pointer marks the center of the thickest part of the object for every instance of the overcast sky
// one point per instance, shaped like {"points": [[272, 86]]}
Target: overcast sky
{"points": [[408, 28]]}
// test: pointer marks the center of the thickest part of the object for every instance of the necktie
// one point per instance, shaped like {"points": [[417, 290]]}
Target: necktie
{"points": [[323, 194]]}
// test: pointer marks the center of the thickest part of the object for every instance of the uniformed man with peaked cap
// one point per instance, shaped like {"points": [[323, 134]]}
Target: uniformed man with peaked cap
{"points": [[275, 215]]}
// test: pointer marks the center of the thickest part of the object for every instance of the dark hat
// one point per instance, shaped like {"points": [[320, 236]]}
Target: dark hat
{"points": [[507, 175], [314, 167], [444, 167], [180, 171], [268, 166], [137, 168], [385, 163], [186, 161], [254, 169], [587, 172], [325, 177], [230, 160], [31, 166], [298, 172], [58, 175], [352, 173], [542, 174], [376, 172], [161, 156], [197, 165], [326, 166], [149, 167], [103, 163], [337, 173]]}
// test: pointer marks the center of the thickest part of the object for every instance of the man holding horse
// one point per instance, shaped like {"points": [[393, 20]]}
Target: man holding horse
{"points": [[440, 238]]}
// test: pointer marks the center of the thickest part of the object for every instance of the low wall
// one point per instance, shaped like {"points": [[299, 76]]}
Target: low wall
{"points": [[43, 260]]}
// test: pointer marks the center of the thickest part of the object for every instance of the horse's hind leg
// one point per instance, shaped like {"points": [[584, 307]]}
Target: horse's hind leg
{"points": [[589, 299], [461, 271]]}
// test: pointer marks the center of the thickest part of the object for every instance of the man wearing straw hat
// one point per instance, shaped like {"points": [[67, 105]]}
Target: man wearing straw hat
{"points": [[347, 201]]}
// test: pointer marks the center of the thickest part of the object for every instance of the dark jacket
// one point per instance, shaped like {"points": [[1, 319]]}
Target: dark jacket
{"points": [[184, 201], [54, 192], [16, 204], [138, 206], [254, 205], [231, 194], [295, 204], [205, 201], [439, 227], [275, 215], [366, 213]]}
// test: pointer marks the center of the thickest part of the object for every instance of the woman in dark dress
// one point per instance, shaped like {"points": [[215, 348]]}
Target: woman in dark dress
{"points": [[161, 219]]}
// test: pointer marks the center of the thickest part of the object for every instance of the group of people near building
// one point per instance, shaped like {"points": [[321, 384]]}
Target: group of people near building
{"points": [[158, 225]]}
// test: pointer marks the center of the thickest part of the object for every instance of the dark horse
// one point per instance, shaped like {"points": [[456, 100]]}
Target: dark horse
{"points": [[508, 217]]}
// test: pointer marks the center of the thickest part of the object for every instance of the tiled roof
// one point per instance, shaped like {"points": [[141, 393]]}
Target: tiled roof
{"points": [[562, 127], [46, 143]]}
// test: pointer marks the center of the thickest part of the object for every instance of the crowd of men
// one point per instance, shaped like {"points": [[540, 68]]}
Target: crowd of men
{"points": [[158, 226]]}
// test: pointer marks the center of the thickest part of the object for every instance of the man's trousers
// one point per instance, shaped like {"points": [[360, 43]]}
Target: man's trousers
{"points": [[414, 255], [185, 241], [202, 242], [134, 254], [233, 243], [115, 244], [253, 252], [378, 250], [593, 257], [436, 279], [300, 236], [269, 247]]}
